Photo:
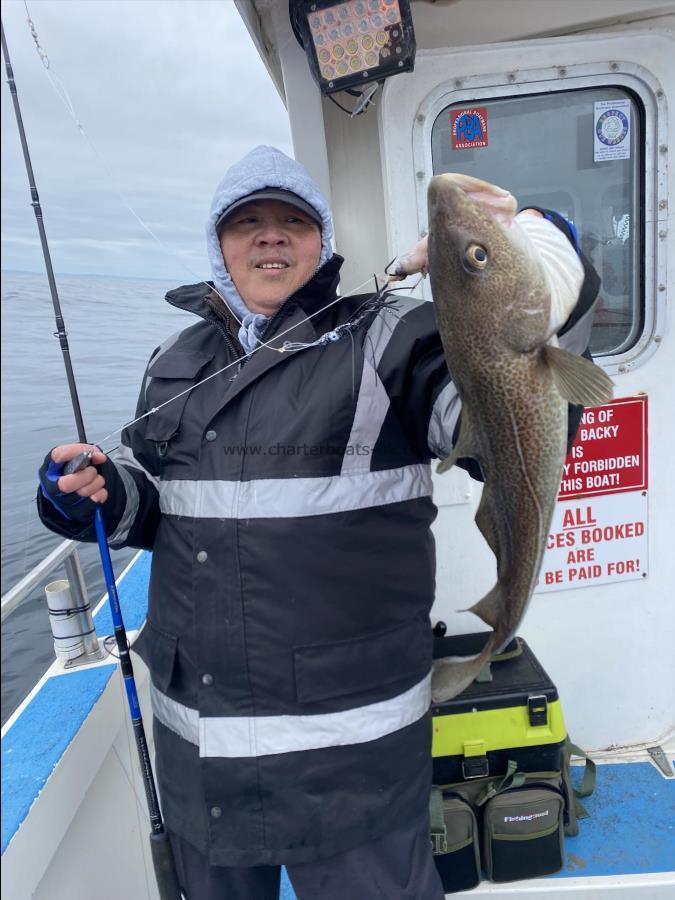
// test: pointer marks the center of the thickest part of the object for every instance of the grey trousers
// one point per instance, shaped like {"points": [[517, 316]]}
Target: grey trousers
{"points": [[396, 866]]}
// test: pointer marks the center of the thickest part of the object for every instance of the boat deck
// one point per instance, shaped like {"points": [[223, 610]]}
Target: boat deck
{"points": [[628, 840]]}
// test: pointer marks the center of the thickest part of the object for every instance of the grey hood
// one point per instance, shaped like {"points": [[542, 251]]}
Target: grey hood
{"points": [[261, 168]]}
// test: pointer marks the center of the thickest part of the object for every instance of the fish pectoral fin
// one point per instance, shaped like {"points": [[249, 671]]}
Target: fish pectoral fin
{"points": [[448, 462], [465, 445], [578, 379], [450, 675], [490, 607]]}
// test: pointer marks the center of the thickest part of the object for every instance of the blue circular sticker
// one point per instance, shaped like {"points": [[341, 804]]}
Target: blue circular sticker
{"points": [[612, 127]]}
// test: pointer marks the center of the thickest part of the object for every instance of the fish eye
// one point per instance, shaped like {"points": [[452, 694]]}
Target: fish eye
{"points": [[476, 256]]}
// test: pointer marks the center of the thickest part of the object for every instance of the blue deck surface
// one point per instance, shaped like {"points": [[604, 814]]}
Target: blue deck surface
{"points": [[133, 596], [36, 742], [38, 739], [631, 829], [287, 892]]}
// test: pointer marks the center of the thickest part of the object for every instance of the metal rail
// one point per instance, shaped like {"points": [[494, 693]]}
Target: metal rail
{"points": [[64, 553]]}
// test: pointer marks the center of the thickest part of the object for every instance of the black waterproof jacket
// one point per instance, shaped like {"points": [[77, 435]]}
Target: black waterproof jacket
{"points": [[287, 502]]}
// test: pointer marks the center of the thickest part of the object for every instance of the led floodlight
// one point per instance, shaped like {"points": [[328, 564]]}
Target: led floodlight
{"points": [[354, 42]]}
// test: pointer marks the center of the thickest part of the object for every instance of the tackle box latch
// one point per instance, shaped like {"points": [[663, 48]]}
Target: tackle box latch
{"points": [[475, 763], [537, 710]]}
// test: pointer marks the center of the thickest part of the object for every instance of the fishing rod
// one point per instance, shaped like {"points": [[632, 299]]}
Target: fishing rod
{"points": [[162, 857]]}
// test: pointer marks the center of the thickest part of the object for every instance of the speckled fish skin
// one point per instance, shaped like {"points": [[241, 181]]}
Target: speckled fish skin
{"points": [[493, 324]]}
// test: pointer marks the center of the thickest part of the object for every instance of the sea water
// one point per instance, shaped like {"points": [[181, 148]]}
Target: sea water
{"points": [[113, 325]]}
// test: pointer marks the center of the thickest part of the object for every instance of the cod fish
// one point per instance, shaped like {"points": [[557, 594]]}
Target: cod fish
{"points": [[493, 307]]}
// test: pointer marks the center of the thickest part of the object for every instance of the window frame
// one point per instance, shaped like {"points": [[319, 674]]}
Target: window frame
{"points": [[651, 180]]}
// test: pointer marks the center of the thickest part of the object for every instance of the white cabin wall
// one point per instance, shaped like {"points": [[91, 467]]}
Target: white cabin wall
{"points": [[472, 22], [358, 196], [335, 149], [259, 25], [303, 101], [658, 23]]}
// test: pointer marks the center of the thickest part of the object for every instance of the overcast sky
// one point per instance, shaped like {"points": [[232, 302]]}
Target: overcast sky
{"points": [[170, 92]]}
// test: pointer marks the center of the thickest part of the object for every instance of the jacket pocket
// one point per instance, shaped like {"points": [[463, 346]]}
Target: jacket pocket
{"points": [[157, 649], [342, 668], [171, 373]]}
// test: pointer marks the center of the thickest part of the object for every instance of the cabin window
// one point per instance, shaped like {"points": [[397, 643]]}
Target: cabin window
{"points": [[544, 149]]}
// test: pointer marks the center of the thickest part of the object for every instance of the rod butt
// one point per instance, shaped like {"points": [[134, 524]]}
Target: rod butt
{"points": [[165, 868]]}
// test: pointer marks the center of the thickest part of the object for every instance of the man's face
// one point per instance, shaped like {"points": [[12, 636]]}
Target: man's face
{"points": [[270, 249]]}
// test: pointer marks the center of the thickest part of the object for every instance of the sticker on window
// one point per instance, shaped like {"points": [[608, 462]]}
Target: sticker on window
{"points": [[469, 128], [611, 139]]}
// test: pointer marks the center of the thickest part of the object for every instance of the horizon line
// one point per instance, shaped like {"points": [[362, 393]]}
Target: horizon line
{"points": [[7, 271]]}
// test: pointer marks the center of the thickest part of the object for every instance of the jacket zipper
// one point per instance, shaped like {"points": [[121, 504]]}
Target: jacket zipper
{"points": [[219, 326], [228, 340]]}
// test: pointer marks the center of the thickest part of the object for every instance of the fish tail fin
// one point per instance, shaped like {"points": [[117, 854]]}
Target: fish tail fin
{"points": [[451, 675], [577, 379]]}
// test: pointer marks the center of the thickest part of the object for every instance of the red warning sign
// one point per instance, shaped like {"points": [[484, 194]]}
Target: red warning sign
{"points": [[609, 454], [469, 127]]}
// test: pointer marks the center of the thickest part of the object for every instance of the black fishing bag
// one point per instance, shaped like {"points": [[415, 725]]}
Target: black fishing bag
{"points": [[502, 797]]}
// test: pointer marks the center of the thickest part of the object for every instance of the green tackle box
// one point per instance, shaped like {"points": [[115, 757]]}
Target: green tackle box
{"points": [[510, 713]]}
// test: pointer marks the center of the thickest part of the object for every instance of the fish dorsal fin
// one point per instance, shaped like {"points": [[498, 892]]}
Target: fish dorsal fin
{"points": [[465, 446], [578, 379]]}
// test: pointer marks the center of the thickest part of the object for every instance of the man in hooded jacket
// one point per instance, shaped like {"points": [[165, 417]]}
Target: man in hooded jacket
{"points": [[287, 502]]}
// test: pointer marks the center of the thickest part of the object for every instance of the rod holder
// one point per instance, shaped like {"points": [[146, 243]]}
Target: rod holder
{"points": [[64, 619], [78, 588]]}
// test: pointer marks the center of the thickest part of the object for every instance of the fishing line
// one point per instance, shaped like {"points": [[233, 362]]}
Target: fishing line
{"points": [[235, 362], [63, 95]]}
